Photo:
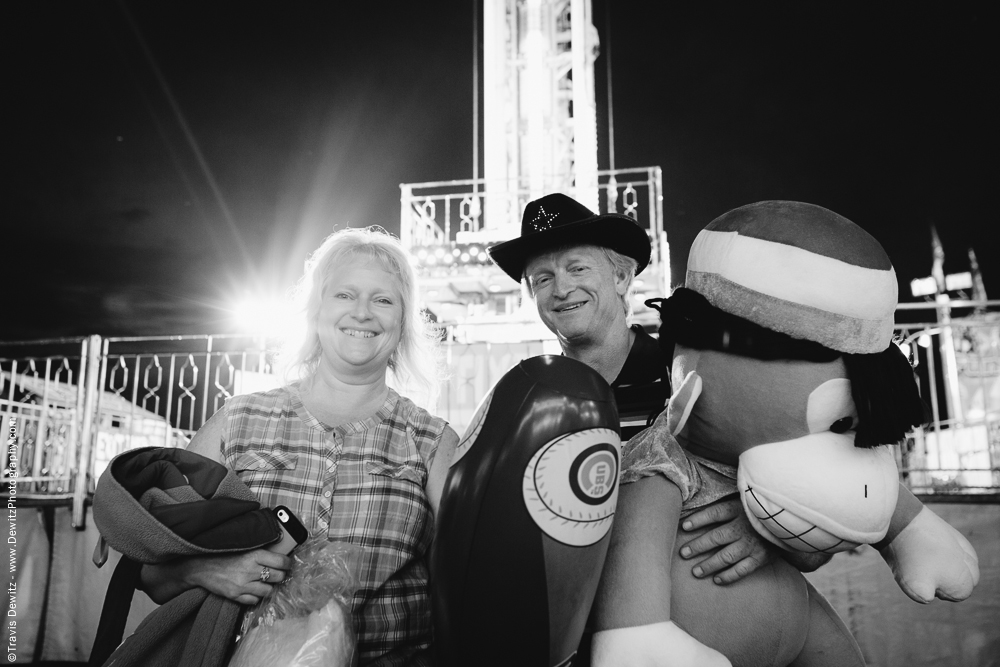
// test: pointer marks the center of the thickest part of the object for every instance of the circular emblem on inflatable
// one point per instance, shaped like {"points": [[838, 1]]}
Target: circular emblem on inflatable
{"points": [[472, 432], [571, 486], [594, 474]]}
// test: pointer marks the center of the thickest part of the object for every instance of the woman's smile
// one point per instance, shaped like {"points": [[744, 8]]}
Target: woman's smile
{"points": [[359, 333], [360, 318]]}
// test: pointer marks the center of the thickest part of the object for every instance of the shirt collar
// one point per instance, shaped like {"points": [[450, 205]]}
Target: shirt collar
{"points": [[645, 362]]}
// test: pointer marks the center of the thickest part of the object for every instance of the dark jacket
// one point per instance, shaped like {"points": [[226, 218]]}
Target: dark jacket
{"points": [[155, 504]]}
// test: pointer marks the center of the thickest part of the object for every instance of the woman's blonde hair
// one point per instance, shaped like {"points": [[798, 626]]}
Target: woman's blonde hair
{"points": [[415, 362]]}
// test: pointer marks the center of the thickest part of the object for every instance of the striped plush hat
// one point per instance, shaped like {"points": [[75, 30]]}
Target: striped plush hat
{"points": [[798, 269]]}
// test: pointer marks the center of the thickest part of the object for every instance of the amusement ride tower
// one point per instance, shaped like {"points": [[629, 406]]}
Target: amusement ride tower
{"points": [[539, 136]]}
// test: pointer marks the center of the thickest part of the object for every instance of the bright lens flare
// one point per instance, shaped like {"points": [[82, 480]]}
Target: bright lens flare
{"points": [[270, 317]]}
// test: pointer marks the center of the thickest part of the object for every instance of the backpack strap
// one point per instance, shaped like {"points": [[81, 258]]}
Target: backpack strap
{"points": [[114, 615]]}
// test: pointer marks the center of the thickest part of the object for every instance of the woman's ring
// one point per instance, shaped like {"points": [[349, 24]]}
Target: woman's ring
{"points": [[265, 574]]}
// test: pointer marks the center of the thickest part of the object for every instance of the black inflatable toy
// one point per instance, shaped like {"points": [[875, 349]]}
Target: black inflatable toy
{"points": [[525, 518]]}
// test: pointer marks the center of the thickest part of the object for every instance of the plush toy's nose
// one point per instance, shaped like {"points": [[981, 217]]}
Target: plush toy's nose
{"points": [[819, 492]]}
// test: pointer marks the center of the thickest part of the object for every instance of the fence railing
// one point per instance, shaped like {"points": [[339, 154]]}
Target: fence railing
{"points": [[47, 419], [78, 402], [441, 211], [443, 214], [955, 350]]}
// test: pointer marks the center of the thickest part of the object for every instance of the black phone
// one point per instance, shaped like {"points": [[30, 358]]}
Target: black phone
{"points": [[293, 533]]}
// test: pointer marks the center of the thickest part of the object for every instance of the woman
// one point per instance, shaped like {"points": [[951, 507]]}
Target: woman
{"points": [[349, 456]]}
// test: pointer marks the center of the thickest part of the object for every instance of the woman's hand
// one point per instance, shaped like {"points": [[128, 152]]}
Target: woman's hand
{"points": [[236, 577], [740, 549]]}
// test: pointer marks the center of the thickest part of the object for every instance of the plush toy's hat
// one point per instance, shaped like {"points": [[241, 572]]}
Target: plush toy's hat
{"points": [[799, 269], [557, 220]]}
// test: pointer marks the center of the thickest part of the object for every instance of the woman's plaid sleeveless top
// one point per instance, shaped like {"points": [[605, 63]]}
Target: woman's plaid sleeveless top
{"points": [[361, 483]]}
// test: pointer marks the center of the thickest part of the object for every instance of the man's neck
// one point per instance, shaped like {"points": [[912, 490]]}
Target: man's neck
{"points": [[606, 356]]}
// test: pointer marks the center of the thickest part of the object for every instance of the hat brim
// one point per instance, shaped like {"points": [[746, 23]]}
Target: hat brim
{"points": [[617, 232]]}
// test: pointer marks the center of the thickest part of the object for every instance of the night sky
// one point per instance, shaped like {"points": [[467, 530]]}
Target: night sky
{"points": [[166, 157]]}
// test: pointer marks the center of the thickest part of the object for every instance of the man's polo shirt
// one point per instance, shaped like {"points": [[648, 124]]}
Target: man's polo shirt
{"points": [[642, 387]]}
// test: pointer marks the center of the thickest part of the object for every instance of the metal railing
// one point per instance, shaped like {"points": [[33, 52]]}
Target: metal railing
{"points": [[957, 364], [448, 224], [444, 212], [78, 402], [47, 417], [438, 211]]}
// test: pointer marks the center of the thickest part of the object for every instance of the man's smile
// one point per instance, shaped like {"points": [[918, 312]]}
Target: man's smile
{"points": [[570, 306]]}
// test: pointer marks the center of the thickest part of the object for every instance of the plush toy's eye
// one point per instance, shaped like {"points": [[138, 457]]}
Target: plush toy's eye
{"points": [[842, 425]]}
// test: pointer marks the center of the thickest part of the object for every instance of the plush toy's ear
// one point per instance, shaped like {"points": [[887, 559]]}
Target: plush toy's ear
{"points": [[682, 402]]}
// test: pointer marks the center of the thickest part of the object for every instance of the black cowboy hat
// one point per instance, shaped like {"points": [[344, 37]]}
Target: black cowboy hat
{"points": [[557, 220]]}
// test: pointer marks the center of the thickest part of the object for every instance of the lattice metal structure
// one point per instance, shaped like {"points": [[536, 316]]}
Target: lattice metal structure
{"points": [[959, 450], [540, 113], [539, 137], [77, 403], [447, 226], [41, 402]]}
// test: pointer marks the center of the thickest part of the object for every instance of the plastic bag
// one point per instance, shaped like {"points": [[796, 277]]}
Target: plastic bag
{"points": [[306, 620]]}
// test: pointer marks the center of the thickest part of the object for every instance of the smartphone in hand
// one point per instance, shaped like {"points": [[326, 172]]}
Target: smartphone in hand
{"points": [[293, 533]]}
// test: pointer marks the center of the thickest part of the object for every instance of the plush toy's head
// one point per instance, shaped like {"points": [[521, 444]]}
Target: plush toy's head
{"points": [[783, 362], [798, 269]]}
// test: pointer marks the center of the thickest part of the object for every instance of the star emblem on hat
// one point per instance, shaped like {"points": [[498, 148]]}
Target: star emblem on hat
{"points": [[557, 220], [543, 220]]}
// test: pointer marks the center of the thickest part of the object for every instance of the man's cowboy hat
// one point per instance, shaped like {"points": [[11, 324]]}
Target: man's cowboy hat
{"points": [[556, 220]]}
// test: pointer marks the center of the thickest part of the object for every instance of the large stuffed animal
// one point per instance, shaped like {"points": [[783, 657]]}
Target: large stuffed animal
{"points": [[525, 519], [789, 391]]}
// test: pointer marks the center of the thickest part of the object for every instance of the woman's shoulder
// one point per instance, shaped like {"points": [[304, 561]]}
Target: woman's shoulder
{"points": [[240, 416], [279, 396], [418, 419]]}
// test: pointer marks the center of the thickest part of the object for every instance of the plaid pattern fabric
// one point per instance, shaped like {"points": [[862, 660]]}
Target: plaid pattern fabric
{"points": [[361, 483]]}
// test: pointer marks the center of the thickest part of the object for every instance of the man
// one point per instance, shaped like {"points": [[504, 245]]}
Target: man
{"points": [[579, 268]]}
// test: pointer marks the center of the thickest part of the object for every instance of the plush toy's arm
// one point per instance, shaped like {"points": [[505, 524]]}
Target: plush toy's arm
{"points": [[907, 509], [632, 608], [928, 557]]}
